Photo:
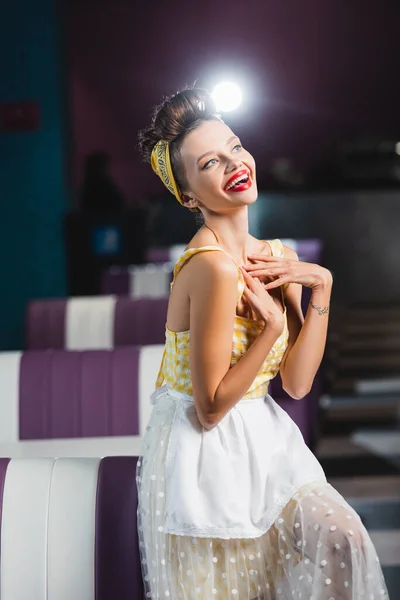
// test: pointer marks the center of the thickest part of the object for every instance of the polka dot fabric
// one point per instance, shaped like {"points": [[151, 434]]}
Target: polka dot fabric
{"points": [[175, 367], [316, 549]]}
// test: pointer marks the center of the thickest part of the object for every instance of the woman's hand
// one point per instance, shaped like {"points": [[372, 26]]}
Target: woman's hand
{"points": [[287, 270], [261, 303]]}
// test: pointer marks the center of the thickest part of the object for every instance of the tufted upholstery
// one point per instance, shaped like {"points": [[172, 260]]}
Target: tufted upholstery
{"points": [[71, 403], [95, 323], [68, 529]]}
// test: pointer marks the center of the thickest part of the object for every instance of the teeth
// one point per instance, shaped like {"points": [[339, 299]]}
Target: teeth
{"points": [[236, 181]]}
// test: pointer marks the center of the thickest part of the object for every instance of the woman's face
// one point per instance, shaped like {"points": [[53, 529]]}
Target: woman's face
{"points": [[221, 174]]}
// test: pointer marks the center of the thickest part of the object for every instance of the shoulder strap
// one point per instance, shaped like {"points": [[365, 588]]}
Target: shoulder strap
{"points": [[276, 247], [187, 254]]}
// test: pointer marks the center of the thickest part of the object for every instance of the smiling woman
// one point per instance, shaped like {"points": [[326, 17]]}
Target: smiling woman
{"points": [[232, 503]]}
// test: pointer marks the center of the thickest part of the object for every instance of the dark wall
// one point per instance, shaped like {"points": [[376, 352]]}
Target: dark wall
{"points": [[360, 231], [32, 183], [314, 72]]}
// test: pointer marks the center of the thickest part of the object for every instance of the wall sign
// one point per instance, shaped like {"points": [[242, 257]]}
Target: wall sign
{"points": [[19, 116]]}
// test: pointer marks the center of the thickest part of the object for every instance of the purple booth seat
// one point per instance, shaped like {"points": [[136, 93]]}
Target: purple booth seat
{"points": [[76, 323], [45, 324], [116, 280], [71, 403], [140, 321], [151, 280], [79, 394], [80, 515]]}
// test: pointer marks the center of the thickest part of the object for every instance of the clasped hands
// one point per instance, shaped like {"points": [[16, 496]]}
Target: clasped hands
{"points": [[274, 271]]}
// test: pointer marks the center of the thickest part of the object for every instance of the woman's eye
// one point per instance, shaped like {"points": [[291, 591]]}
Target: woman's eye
{"points": [[209, 163]]}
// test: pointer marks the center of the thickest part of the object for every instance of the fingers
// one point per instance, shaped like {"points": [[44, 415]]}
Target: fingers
{"points": [[271, 264], [249, 280], [265, 258], [265, 272], [277, 283]]}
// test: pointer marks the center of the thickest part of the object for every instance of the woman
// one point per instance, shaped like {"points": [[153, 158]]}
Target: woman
{"points": [[232, 503]]}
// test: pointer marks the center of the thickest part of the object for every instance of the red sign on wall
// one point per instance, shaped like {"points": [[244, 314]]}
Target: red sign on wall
{"points": [[19, 116]]}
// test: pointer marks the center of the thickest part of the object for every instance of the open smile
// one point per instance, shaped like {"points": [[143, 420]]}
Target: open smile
{"points": [[239, 182]]}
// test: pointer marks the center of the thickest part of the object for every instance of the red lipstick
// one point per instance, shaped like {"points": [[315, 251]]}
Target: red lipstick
{"points": [[241, 186]]}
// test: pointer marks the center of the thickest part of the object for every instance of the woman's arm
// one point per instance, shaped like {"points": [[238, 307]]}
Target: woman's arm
{"points": [[307, 337], [213, 285]]}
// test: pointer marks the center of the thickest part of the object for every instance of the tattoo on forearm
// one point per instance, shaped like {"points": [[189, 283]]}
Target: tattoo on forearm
{"points": [[321, 311]]}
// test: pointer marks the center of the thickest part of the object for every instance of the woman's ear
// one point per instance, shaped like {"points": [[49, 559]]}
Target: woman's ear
{"points": [[189, 201]]}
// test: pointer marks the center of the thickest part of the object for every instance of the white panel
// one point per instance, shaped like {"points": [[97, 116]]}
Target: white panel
{"points": [[74, 447], [149, 365], [89, 323], [71, 529], [9, 396], [150, 281], [23, 574]]}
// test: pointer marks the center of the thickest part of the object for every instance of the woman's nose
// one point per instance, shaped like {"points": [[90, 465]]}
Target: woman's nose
{"points": [[233, 164]]}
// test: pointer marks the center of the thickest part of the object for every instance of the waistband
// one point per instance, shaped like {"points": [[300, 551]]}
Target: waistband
{"points": [[164, 390]]}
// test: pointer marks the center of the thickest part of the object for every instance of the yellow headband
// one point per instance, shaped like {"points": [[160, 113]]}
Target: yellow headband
{"points": [[161, 164]]}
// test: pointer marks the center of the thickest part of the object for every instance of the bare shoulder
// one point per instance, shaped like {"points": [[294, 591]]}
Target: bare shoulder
{"points": [[212, 265], [290, 253]]}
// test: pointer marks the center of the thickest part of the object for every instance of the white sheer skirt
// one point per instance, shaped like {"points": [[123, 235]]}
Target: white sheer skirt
{"points": [[315, 547]]}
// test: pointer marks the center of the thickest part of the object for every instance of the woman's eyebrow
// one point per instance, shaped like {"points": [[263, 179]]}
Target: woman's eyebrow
{"points": [[234, 137]]}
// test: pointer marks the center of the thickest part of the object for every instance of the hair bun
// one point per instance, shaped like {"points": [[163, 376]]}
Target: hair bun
{"points": [[175, 117]]}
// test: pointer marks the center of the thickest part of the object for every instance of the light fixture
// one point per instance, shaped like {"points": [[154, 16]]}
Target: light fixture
{"points": [[227, 96]]}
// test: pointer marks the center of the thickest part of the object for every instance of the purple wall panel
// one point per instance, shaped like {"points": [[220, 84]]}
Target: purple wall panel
{"points": [[117, 563], [45, 324]]}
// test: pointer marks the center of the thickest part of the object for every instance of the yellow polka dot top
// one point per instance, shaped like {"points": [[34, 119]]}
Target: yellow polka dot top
{"points": [[175, 368]]}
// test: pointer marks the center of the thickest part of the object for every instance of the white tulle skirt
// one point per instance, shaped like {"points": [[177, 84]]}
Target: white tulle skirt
{"points": [[244, 512]]}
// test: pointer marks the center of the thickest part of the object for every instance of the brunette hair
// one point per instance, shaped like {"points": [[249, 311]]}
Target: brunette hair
{"points": [[172, 120]]}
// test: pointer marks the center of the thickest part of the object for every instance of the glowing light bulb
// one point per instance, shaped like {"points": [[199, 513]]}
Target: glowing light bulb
{"points": [[227, 96]]}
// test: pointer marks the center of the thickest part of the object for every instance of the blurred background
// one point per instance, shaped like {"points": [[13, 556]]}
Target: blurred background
{"points": [[88, 235]]}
